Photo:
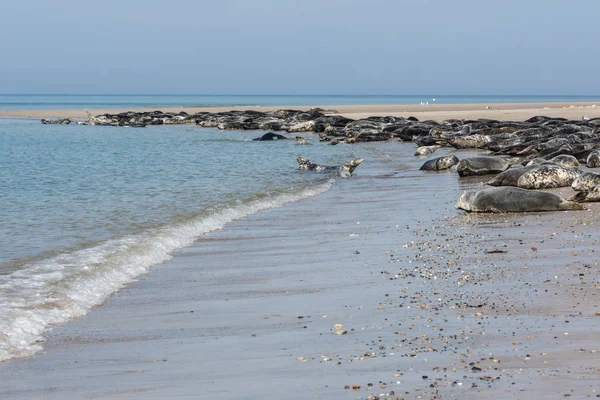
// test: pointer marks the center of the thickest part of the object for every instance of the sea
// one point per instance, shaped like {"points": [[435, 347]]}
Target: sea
{"points": [[85, 210], [11, 102]]}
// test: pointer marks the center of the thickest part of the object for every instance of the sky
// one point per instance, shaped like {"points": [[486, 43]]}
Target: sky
{"points": [[300, 47]]}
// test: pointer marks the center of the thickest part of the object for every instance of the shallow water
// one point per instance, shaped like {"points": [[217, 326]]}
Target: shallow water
{"points": [[85, 210]]}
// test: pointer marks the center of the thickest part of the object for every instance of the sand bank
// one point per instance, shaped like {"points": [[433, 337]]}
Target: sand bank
{"points": [[433, 303], [439, 112]]}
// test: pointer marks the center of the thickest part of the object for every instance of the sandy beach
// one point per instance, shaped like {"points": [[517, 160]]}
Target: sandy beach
{"points": [[376, 289], [438, 112]]}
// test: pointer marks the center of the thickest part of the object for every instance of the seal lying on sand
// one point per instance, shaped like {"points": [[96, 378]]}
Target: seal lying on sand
{"points": [[548, 176], [64, 121], [537, 161], [593, 159], [483, 165], [511, 199], [566, 160], [440, 163], [270, 136], [424, 150], [510, 177], [587, 187], [344, 171], [588, 196], [585, 182]]}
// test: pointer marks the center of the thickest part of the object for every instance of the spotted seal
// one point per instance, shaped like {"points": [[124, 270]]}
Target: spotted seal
{"points": [[62, 121], [593, 159], [512, 199], [300, 140], [483, 165], [440, 163], [586, 181], [548, 176], [344, 171], [588, 196], [424, 150]]}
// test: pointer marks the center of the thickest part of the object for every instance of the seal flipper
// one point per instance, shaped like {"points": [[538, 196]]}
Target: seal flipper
{"points": [[578, 197], [570, 205]]}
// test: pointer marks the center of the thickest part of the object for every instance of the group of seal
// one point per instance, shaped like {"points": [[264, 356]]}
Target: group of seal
{"points": [[564, 143]]}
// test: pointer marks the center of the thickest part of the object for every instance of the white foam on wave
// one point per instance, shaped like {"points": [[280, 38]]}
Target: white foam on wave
{"points": [[55, 290]]}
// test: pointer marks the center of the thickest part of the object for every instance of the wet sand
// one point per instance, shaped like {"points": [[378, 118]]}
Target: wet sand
{"points": [[434, 303], [438, 112]]}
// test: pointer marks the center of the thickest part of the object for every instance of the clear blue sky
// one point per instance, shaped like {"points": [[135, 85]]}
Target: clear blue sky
{"points": [[300, 47]]}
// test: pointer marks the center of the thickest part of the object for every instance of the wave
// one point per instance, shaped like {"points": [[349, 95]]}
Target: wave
{"points": [[54, 290]]}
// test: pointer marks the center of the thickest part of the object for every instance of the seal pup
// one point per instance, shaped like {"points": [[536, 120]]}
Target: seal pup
{"points": [[424, 150], [270, 136], [548, 176], [344, 171], [483, 165], [593, 159], [440, 163], [512, 199], [300, 140]]}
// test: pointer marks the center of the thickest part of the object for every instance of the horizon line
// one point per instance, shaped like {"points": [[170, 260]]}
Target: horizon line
{"points": [[300, 95]]}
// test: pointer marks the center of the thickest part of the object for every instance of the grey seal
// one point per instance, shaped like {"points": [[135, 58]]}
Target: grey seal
{"points": [[510, 177], [548, 176], [63, 121], [270, 136], [344, 171], [587, 187], [424, 150], [440, 163], [566, 160], [483, 165], [538, 161], [593, 159], [300, 140], [585, 182], [588, 196], [512, 199]]}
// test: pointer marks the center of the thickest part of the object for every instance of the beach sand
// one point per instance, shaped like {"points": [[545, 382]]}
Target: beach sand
{"points": [[438, 112], [429, 308]]}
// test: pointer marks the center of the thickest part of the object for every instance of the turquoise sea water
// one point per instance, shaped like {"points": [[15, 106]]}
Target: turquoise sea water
{"points": [[86, 209], [65, 102]]}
